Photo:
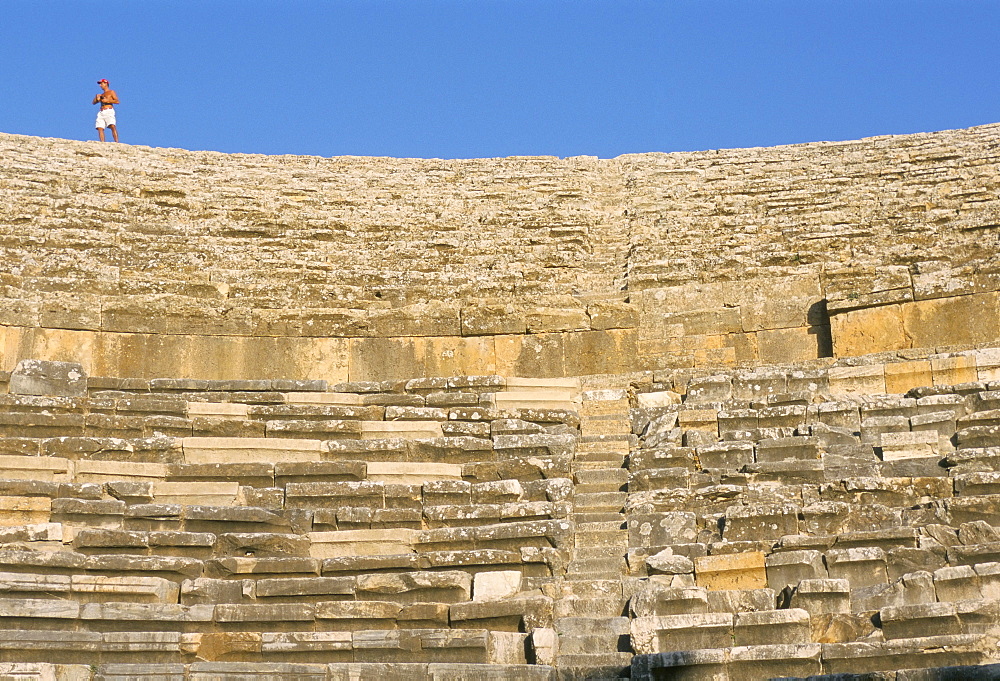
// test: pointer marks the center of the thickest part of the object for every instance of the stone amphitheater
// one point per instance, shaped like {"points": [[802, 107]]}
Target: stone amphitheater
{"points": [[725, 415]]}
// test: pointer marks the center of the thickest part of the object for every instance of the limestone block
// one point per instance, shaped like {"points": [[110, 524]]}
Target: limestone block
{"points": [[955, 369], [527, 611], [264, 612], [550, 319], [968, 319], [107, 471], [908, 445], [406, 430], [415, 473], [196, 493], [710, 665], [489, 319], [380, 359], [769, 661], [694, 631], [731, 571], [39, 608], [147, 612], [555, 398], [39, 377], [760, 521], [822, 596], [419, 319], [718, 388], [924, 619], [772, 627], [860, 380], [361, 543], [324, 398], [987, 364], [657, 597], [665, 398], [221, 410], [47, 468], [24, 510], [236, 643], [705, 420], [530, 355], [324, 642], [545, 644], [900, 377], [414, 587], [126, 587], [243, 450], [612, 314], [666, 562], [792, 344], [860, 566], [788, 568], [661, 529], [870, 330], [496, 584], [796, 448], [958, 583]]}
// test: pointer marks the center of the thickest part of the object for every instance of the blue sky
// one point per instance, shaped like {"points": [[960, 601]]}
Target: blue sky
{"points": [[483, 78]]}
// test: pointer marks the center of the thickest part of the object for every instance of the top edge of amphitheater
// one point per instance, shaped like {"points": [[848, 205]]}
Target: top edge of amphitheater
{"points": [[992, 129]]}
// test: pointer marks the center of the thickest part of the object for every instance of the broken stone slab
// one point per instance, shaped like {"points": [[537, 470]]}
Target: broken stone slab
{"points": [[508, 614], [39, 377], [449, 586]]}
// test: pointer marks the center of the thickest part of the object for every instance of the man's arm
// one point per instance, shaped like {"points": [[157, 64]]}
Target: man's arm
{"points": [[97, 98], [111, 97]]}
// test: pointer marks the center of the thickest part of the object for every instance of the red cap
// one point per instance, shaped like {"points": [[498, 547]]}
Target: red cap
{"points": [[102, 80]]}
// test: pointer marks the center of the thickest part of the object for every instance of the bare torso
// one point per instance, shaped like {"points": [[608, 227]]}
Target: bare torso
{"points": [[106, 99]]}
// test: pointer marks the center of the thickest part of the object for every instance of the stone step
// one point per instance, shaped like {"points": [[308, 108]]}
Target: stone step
{"points": [[606, 476], [576, 606], [587, 552], [597, 517], [599, 501], [607, 566]]}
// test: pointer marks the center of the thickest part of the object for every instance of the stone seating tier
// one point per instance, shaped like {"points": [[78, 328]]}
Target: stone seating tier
{"points": [[741, 525], [141, 262]]}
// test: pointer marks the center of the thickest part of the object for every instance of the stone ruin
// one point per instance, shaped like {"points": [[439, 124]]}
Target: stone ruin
{"points": [[720, 415]]}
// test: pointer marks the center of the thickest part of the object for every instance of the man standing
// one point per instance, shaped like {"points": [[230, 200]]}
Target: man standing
{"points": [[106, 116]]}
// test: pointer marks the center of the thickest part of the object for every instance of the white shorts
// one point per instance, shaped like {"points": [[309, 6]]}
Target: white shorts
{"points": [[105, 117]]}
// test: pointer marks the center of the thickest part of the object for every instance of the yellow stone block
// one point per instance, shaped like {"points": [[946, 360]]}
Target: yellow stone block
{"points": [[959, 320], [953, 370], [24, 510], [731, 571], [863, 380], [902, 376], [790, 345], [868, 330]]}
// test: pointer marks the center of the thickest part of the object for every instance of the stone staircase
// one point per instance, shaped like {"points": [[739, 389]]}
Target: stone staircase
{"points": [[590, 623]]}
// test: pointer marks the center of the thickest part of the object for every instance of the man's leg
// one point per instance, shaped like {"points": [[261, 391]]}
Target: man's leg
{"points": [[100, 133], [114, 132]]}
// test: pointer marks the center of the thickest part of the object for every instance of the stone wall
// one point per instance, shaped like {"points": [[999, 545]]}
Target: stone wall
{"points": [[147, 262]]}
